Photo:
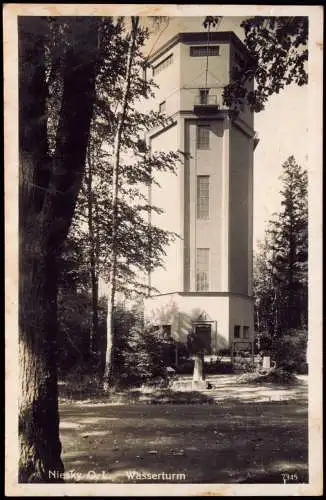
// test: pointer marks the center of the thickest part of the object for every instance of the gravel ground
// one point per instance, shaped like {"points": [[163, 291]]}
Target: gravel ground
{"points": [[247, 434]]}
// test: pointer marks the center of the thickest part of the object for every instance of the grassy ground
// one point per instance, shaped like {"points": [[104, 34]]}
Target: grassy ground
{"points": [[243, 434]]}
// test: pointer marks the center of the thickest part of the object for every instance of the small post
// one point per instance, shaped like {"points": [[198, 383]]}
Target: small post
{"points": [[252, 350], [176, 355]]}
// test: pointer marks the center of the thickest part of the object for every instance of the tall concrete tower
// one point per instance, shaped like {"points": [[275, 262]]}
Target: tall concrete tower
{"points": [[206, 285]]}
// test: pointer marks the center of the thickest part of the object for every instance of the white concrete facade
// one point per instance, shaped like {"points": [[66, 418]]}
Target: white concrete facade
{"points": [[225, 306]]}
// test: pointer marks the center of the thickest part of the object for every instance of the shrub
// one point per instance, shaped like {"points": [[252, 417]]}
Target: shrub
{"points": [[74, 311], [74, 326], [218, 367], [185, 367], [290, 351], [140, 356], [277, 376], [224, 352], [78, 386], [265, 343]]}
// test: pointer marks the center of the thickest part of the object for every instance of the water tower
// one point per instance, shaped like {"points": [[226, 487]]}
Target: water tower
{"points": [[206, 285]]}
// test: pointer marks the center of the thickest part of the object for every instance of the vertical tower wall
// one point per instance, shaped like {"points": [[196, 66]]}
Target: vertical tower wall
{"points": [[166, 196], [204, 233], [240, 209]]}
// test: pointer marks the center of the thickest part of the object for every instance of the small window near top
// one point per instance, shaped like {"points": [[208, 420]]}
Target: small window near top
{"points": [[236, 330], [246, 332], [203, 137], [203, 51], [162, 107], [162, 65]]}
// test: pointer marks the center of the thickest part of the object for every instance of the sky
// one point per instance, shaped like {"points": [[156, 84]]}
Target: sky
{"points": [[283, 131], [281, 127]]}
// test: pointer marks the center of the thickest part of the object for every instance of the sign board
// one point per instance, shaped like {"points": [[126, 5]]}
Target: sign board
{"points": [[242, 345]]}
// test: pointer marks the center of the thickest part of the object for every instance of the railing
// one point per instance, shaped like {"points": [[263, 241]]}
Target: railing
{"points": [[206, 100]]}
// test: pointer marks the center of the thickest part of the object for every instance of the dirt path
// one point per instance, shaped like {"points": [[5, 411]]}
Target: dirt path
{"points": [[250, 434], [225, 387]]}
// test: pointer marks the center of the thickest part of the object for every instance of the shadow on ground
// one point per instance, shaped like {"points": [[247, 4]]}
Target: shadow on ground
{"points": [[237, 438], [132, 396]]}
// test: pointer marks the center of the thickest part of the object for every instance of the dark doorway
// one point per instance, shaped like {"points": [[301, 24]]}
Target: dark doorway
{"points": [[204, 336]]}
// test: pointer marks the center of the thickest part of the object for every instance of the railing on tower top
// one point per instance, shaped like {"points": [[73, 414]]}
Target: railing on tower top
{"points": [[207, 103], [204, 100]]}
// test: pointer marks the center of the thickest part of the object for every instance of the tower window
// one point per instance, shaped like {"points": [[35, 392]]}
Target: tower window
{"points": [[203, 96], [202, 196], [246, 332], [203, 51], [203, 137], [202, 270], [162, 107], [236, 331], [162, 65]]}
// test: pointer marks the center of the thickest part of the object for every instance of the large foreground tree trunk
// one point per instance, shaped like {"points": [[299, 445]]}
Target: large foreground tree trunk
{"points": [[40, 446], [47, 197]]}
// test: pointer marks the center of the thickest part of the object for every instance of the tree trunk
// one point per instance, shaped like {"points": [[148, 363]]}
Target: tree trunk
{"points": [[97, 273], [47, 197], [109, 371], [39, 442], [40, 446], [92, 256]]}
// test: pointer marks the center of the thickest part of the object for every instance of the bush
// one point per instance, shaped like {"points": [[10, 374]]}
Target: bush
{"points": [[277, 376], [74, 311], [74, 326], [78, 386], [141, 356], [265, 343], [185, 367], [224, 352], [218, 367], [290, 351]]}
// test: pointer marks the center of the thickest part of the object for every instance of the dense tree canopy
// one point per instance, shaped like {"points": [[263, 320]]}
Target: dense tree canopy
{"points": [[277, 57], [281, 266]]}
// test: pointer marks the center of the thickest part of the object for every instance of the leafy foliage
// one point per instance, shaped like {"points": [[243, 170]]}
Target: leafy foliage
{"points": [[139, 245], [291, 351], [141, 354], [279, 376], [263, 285], [290, 247], [211, 21], [277, 57]]}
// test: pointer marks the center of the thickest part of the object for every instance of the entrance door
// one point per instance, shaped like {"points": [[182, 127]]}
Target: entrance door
{"points": [[204, 336]]}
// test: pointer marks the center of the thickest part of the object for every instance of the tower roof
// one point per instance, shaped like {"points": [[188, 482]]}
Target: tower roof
{"points": [[200, 37]]}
